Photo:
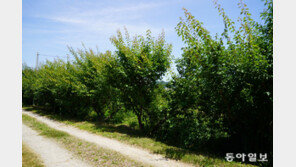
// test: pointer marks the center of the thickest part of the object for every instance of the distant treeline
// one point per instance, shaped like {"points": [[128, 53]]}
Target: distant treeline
{"points": [[222, 96]]}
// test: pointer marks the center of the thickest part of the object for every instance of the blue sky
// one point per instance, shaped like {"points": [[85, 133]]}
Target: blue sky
{"points": [[49, 26]]}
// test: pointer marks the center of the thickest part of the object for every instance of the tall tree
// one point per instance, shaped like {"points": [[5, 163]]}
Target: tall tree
{"points": [[230, 76], [141, 62]]}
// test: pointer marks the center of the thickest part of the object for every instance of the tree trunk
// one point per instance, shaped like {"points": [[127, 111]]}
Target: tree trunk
{"points": [[99, 112], [139, 116], [141, 125]]}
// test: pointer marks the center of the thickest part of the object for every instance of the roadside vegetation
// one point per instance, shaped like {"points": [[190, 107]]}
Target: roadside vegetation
{"points": [[219, 102], [135, 137], [86, 151], [29, 158]]}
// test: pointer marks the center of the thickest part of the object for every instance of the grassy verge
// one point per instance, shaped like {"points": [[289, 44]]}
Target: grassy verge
{"points": [[134, 137], [84, 150], [29, 158]]}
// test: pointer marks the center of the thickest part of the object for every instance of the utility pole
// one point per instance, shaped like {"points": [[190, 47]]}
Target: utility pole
{"points": [[37, 60]]}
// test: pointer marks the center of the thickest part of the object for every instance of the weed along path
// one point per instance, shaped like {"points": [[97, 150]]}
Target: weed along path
{"points": [[132, 152], [50, 152]]}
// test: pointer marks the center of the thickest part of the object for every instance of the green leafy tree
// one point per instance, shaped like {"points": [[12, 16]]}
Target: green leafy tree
{"points": [[28, 78], [90, 72], [141, 62], [228, 78], [74, 87]]}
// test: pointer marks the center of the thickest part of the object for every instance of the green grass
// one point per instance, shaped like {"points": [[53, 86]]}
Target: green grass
{"points": [[89, 152], [134, 137], [43, 128], [29, 158]]}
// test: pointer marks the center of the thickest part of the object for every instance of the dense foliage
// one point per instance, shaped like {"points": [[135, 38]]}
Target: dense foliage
{"points": [[140, 64], [224, 87], [221, 98]]}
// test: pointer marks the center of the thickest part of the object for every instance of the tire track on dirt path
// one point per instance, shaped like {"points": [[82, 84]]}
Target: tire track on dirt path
{"points": [[50, 152], [132, 152]]}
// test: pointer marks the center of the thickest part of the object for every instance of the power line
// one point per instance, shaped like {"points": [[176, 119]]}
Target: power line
{"points": [[38, 55]]}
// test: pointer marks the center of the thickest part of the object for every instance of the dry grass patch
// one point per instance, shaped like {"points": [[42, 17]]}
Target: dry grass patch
{"points": [[29, 158]]}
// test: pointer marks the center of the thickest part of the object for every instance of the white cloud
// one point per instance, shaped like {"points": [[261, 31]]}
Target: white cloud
{"points": [[122, 9], [108, 20], [93, 25], [67, 20]]}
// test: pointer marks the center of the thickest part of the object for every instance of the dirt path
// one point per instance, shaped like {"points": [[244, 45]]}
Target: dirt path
{"points": [[50, 152], [134, 153]]}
